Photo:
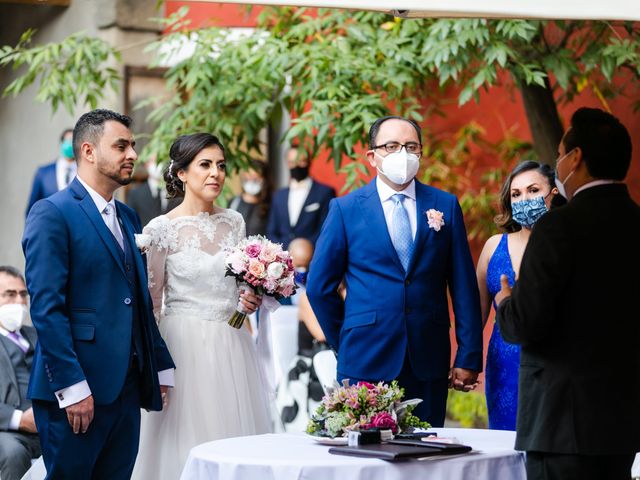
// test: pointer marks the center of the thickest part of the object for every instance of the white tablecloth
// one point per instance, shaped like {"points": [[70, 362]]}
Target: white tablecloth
{"points": [[296, 456]]}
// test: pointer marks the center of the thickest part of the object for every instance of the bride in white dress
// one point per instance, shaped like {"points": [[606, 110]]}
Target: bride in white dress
{"points": [[219, 389]]}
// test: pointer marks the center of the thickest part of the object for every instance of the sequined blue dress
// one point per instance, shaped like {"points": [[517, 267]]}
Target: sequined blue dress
{"points": [[503, 359]]}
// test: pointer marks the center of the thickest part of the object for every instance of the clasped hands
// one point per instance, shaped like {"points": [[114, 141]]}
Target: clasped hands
{"points": [[462, 379]]}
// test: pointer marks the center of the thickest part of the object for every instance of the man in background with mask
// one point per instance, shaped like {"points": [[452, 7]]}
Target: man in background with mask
{"points": [[149, 198], [400, 246], [57, 175], [298, 210], [18, 439], [574, 311]]}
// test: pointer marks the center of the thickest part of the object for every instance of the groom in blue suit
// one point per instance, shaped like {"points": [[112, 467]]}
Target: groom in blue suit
{"points": [[400, 246], [99, 356]]}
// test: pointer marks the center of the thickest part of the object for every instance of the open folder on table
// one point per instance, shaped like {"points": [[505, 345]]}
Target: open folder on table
{"points": [[400, 449]]}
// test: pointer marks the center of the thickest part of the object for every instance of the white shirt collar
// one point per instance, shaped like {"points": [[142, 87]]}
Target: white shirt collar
{"points": [[386, 192], [305, 184], [98, 199], [5, 332], [595, 183]]}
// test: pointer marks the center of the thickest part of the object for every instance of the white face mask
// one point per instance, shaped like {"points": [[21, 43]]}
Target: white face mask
{"points": [[560, 184], [252, 187], [12, 316], [155, 171], [399, 167]]}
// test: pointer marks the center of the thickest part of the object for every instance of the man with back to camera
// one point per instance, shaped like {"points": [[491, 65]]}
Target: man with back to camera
{"points": [[574, 310], [400, 246], [18, 436], [99, 356]]}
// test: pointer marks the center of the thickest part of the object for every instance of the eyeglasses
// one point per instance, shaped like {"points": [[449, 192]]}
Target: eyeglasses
{"points": [[12, 294], [393, 147]]}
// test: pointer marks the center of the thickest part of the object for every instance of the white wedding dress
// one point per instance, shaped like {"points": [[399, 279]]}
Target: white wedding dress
{"points": [[220, 390]]}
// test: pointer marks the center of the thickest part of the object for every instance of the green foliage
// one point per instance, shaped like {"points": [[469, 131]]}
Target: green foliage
{"points": [[467, 408], [72, 72], [335, 72]]}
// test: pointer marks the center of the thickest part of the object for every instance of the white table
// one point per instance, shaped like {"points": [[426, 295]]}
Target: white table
{"points": [[296, 456]]}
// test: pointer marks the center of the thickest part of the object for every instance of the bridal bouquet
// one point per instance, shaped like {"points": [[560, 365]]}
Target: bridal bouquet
{"points": [[263, 266], [363, 406]]}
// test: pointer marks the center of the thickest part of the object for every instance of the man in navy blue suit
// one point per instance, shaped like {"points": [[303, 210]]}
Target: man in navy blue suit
{"points": [[100, 356], [400, 246], [298, 210], [54, 176]]}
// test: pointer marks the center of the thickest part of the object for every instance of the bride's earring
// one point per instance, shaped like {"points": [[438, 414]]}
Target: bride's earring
{"points": [[183, 187]]}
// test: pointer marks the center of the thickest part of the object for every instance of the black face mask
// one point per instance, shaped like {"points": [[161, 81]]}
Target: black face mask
{"points": [[299, 173]]}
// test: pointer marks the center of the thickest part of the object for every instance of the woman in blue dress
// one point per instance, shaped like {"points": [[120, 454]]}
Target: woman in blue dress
{"points": [[525, 196]]}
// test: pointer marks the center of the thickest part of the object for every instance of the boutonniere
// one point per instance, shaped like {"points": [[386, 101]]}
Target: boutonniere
{"points": [[143, 241], [435, 218]]}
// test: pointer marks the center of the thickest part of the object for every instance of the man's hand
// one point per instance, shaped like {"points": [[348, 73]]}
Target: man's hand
{"points": [[463, 379], [505, 289], [80, 415], [164, 394], [27, 422]]}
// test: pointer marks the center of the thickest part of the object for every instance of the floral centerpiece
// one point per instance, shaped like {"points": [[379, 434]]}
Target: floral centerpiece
{"points": [[263, 266], [363, 406]]}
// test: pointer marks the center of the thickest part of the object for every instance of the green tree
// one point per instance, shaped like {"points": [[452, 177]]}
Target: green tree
{"points": [[336, 71]]}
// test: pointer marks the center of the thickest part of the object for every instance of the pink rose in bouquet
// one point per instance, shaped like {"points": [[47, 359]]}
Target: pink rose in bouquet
{"points": [[262, 265]]}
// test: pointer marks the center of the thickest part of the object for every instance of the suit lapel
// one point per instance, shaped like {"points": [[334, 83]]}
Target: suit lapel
{"points": [[5, 362], [287, 219], [372, 210], [425, 200], [128, 231], [89, 207]]}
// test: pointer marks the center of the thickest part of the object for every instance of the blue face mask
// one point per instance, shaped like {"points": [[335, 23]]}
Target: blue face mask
{"points": [[300, 277], [66, 149], [528, 212]]}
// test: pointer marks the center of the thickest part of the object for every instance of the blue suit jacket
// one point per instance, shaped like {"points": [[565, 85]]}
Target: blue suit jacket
{"points": [[313, 213], [388, 312], [81, 301], [44, 185]]}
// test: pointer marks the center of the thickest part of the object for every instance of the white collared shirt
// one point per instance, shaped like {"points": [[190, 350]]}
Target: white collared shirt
{"points": [[298, 193], [80, 391], [386, 192], [62, 165], [16, 416], [101, 204], [595, 183]]}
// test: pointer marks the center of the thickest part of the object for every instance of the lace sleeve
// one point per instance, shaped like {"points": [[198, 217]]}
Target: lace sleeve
{"points": [[157, 254], [241, 228]]}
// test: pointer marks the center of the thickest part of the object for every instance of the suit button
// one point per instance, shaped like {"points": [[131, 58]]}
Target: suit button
{"points": [[407, 282], [128, 268], [407, 310], [127, 301]]}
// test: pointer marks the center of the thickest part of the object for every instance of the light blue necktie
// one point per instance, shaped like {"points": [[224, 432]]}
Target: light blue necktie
{"points": [[401, 235]]}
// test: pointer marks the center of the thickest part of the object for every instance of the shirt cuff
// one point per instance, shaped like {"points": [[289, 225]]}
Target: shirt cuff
{"points": [[14, 423], [73, 394], [166, 378]]}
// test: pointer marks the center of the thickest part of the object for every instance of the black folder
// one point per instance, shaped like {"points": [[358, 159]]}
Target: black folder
{"points": [[401, 449]]}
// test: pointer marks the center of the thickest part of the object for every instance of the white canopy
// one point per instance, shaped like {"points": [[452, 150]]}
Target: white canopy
{"points": [[549, 9]]}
